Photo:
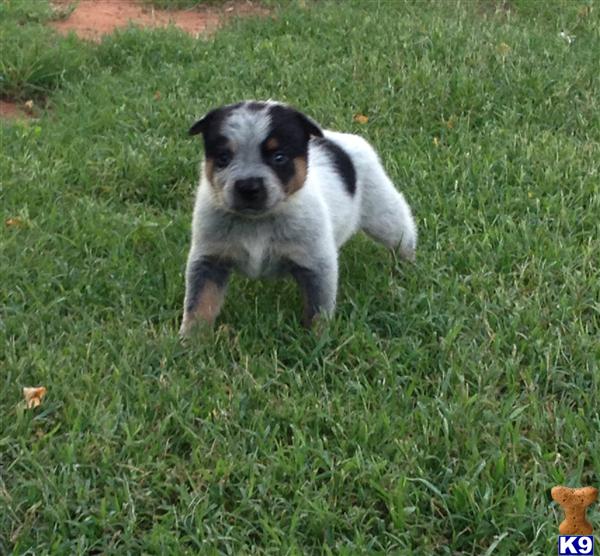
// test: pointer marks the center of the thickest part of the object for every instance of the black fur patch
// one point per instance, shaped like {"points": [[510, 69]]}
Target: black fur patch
{"points": [[292, 135], [286, 117], [256, 106], [210, 126], [291, 130], [212, 120], [342, 162], [308, 282], [215, 144]]}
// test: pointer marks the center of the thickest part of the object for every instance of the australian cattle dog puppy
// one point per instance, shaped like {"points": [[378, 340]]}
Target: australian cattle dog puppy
{"points": [[280, 195]]}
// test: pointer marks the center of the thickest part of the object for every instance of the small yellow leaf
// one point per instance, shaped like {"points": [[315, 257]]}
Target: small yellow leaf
{"points": [[14, 222], [28, 106], [33, 396], [436, 141], [450, 122], [503, 49], [361, 118]]}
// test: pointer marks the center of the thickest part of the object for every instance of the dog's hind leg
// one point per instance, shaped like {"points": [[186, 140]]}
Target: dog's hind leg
{"points": [[385, 214]]}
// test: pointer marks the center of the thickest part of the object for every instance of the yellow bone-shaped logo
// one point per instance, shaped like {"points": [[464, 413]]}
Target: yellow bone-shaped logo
{"points": [[574, 502]]}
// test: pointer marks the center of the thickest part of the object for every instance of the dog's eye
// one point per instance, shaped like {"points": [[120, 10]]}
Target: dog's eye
{"points": [[279, 158], [223, 159]]}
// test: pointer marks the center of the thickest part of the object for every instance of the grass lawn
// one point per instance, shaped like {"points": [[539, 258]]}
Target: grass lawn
{"points": [[446, 398]]}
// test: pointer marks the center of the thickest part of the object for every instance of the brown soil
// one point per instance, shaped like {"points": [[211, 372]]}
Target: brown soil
{"points": [[11, 111], [91, 19]]}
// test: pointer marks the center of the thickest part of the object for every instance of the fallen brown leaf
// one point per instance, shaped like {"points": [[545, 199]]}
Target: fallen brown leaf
{"points": [[15, 222], [450, 122], [361, 118], [33, 396]]}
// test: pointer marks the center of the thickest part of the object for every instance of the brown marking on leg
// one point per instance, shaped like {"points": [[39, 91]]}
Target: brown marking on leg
{"points": [[206, 281], [299, 177], [209, 303], [206, 309]]}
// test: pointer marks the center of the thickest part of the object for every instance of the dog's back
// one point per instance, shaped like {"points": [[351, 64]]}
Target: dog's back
{"points": [[358, 192]]}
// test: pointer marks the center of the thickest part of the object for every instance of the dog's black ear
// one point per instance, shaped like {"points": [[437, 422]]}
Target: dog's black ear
{"points": [[310, 126], [204, 123]]}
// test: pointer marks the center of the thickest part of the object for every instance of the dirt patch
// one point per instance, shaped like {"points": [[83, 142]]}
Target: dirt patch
{"points": [[12, 111], [92, 19]]}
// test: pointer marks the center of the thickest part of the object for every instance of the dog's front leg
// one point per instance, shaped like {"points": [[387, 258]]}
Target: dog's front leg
{"points": [[318, 286], [206, 281]]}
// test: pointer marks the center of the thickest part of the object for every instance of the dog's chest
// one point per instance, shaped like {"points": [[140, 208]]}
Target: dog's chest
{"points": [[258, 248], [259, 256]]}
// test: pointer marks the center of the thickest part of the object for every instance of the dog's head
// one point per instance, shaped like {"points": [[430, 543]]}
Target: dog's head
{"points": [[256, 154]]}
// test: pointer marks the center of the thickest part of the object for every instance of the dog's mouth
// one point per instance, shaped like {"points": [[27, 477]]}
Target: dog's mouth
{"points": [[246, 211], [250, 212], [249, 209]]}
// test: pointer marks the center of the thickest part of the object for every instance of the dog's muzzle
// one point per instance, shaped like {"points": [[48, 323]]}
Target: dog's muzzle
{"points": [[250, 194]]}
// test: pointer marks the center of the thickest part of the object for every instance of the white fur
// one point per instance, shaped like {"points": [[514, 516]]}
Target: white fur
{"points": [[378, 207]]}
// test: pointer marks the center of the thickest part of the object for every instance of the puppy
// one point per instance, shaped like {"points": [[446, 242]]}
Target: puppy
{"points": [[280, 195]]}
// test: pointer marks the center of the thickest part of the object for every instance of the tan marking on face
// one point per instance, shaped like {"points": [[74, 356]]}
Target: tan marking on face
{"points": [[209, 166], [209, 303], [209, 169], [299, 177], [272, 144]]}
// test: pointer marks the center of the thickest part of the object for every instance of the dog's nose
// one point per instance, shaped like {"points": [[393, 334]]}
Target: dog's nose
{"points": [[251, 192], [249, 187]]}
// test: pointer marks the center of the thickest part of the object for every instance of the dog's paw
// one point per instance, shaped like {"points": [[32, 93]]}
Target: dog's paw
{"points": [[193, 329], [186, 328], [321, 325], [184, 335], [408, 253], [318, 324], [407, 248]]}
